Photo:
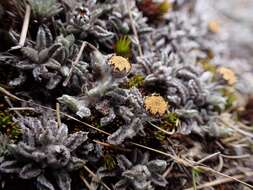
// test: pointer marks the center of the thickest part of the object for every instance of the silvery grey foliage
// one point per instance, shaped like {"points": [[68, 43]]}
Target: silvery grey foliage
{"points": [[120, 20], [84, 20], [214, 128], [48, 61], [190, 91], [44, 9], [137, 173], [106, 21], [4, 142], [170, 50], [45, 149], [134, 116], [92, 152], [106, 97], [124, 16], [105, 81]]}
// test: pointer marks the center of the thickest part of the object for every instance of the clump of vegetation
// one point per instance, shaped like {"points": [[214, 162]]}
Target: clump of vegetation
{"points": [[123, 46], [136, 81], [121, 94], [9, 127], [171, 119]]}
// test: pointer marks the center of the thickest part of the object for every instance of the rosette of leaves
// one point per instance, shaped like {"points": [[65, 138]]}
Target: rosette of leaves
{"points": [[105, 95], [133, 113], [107, 72], [45, 9], [46, 154], [47, 59], [84, 20], [195, 97], [120, 19], [191, 92], [137, 173], [186, 34]]}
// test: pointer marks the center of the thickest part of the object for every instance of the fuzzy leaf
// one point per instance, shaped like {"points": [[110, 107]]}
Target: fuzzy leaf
{"points": [[123, 162], [63, 180], [76, 140], [158, 180], [46, 137], [104, 172], [126, 131], [44, 184], [157, 166], [41, 42], [29, 171], [10, 167], [122, 184], [75, 164], [62, 133], [31, 53]]}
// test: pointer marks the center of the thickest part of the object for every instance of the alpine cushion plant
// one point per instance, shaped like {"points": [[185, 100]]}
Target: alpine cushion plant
{"points": [[161, 75]]}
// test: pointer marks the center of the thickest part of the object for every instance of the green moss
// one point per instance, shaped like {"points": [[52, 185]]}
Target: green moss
{"points": [[5, 120], [109, 162], [159, 135], [8, 127], [123, 46], [136, 81], [171, 119]]}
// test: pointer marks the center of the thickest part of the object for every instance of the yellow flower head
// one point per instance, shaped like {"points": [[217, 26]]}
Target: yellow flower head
{"points": [[165, 6], [155, 104], [120, 64], [214, 26], [227, 74]]}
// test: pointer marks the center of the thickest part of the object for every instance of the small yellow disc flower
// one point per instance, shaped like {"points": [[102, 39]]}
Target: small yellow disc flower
{"points": [[120, 64], [227, 74], [156, 105]]}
